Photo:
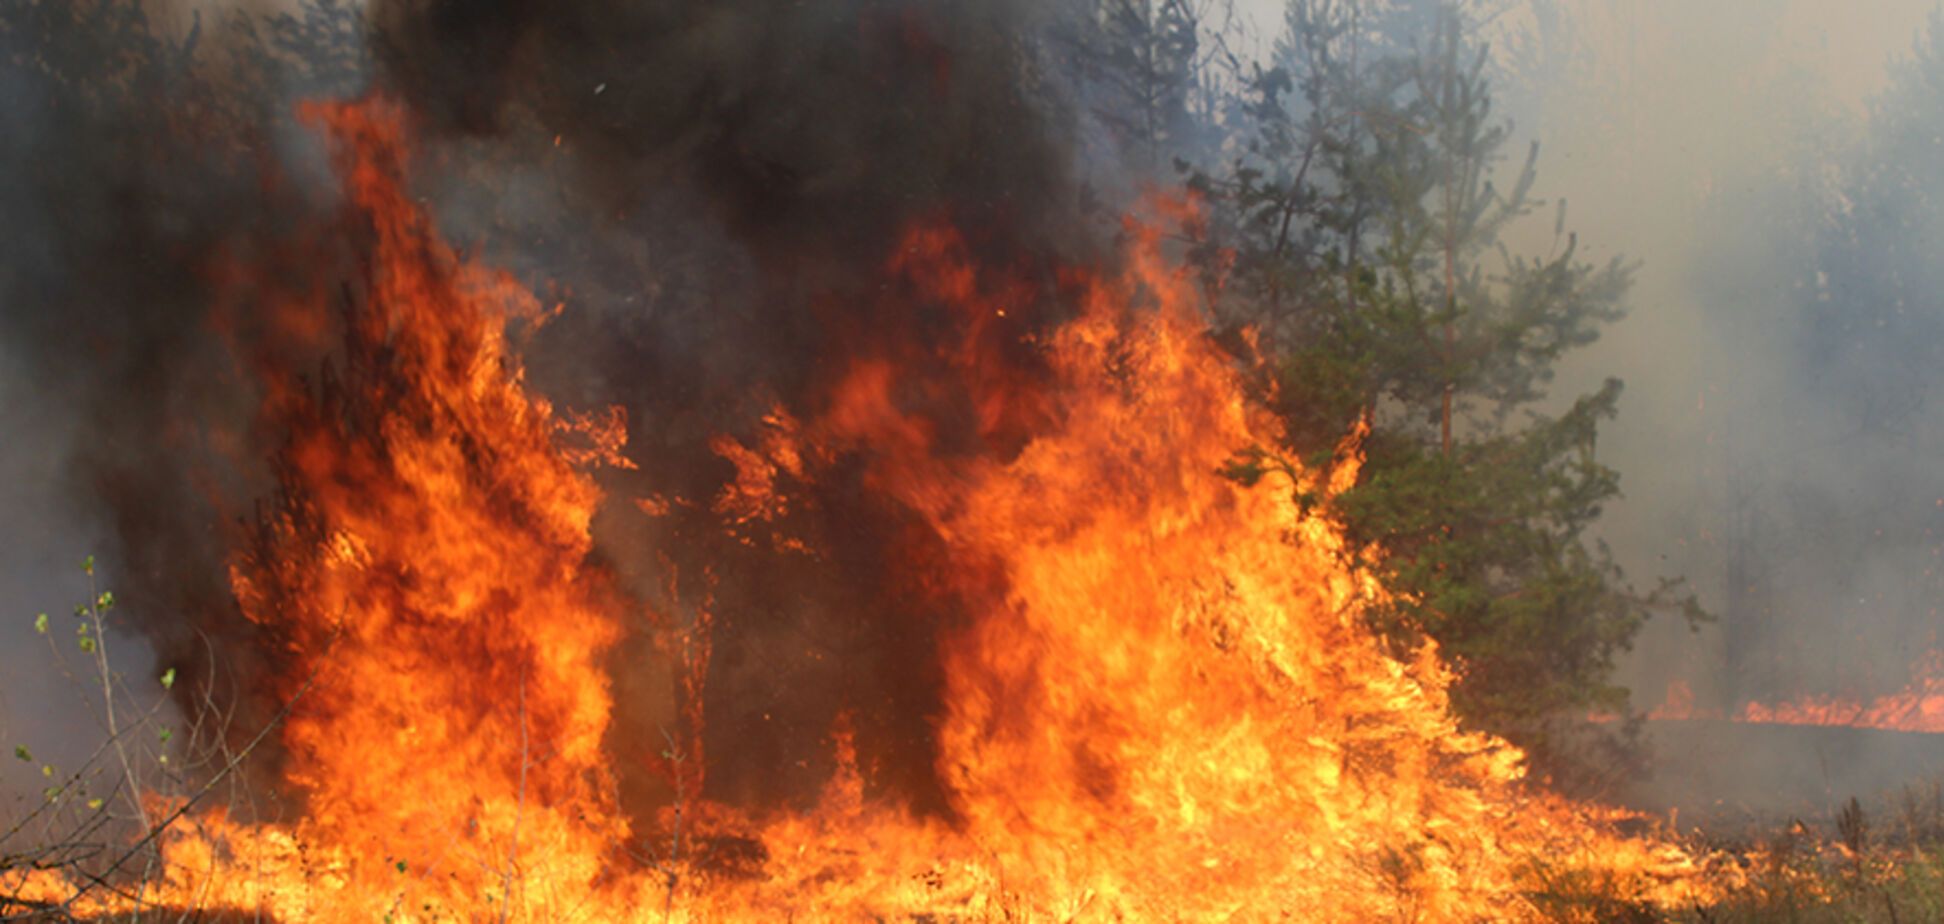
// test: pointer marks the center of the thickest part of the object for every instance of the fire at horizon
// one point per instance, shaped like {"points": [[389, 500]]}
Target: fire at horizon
{"points": [[1918, 707]]}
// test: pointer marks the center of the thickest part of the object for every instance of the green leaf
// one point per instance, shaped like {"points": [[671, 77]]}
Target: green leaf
{"points": [[21, 753], [165, 734], [401, 865], [47, 770], [40, 623], [94, 805], [87, 644], [106, 600], [51, 793], [87, 565], [168, 678]]}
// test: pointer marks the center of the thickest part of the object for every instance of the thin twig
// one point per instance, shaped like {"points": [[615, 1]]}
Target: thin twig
{"points": [[156, 830]]}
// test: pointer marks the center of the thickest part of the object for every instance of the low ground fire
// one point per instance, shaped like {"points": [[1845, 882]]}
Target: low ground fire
{"points": [[1918, 707]]}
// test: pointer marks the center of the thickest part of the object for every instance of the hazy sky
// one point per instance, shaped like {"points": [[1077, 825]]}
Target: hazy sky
{"points": [[1669, 109]]}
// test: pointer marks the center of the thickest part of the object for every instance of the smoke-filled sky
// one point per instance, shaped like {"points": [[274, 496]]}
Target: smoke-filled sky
{"points": [[1675, 129]]}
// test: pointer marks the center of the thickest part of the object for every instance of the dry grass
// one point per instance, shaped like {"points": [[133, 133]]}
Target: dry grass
{"points": [[1881, 861]]}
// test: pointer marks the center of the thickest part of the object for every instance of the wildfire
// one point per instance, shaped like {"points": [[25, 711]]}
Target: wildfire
{"points": [[1918, 707], [1161, 703]]}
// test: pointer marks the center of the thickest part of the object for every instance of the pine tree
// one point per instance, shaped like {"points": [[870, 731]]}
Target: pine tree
{"points": [[1365, 231], [1147, 75]]}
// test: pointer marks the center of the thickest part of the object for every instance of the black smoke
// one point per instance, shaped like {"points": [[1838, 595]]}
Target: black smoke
{"points": [[814, 130], [146, 148]]}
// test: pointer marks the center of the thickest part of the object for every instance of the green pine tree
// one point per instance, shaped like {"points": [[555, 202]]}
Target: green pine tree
{"points": [[1362, 234]]}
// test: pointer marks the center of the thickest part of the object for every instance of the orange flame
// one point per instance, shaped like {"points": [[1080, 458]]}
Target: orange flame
{"points": [[428, 575], [1918, 707]]}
